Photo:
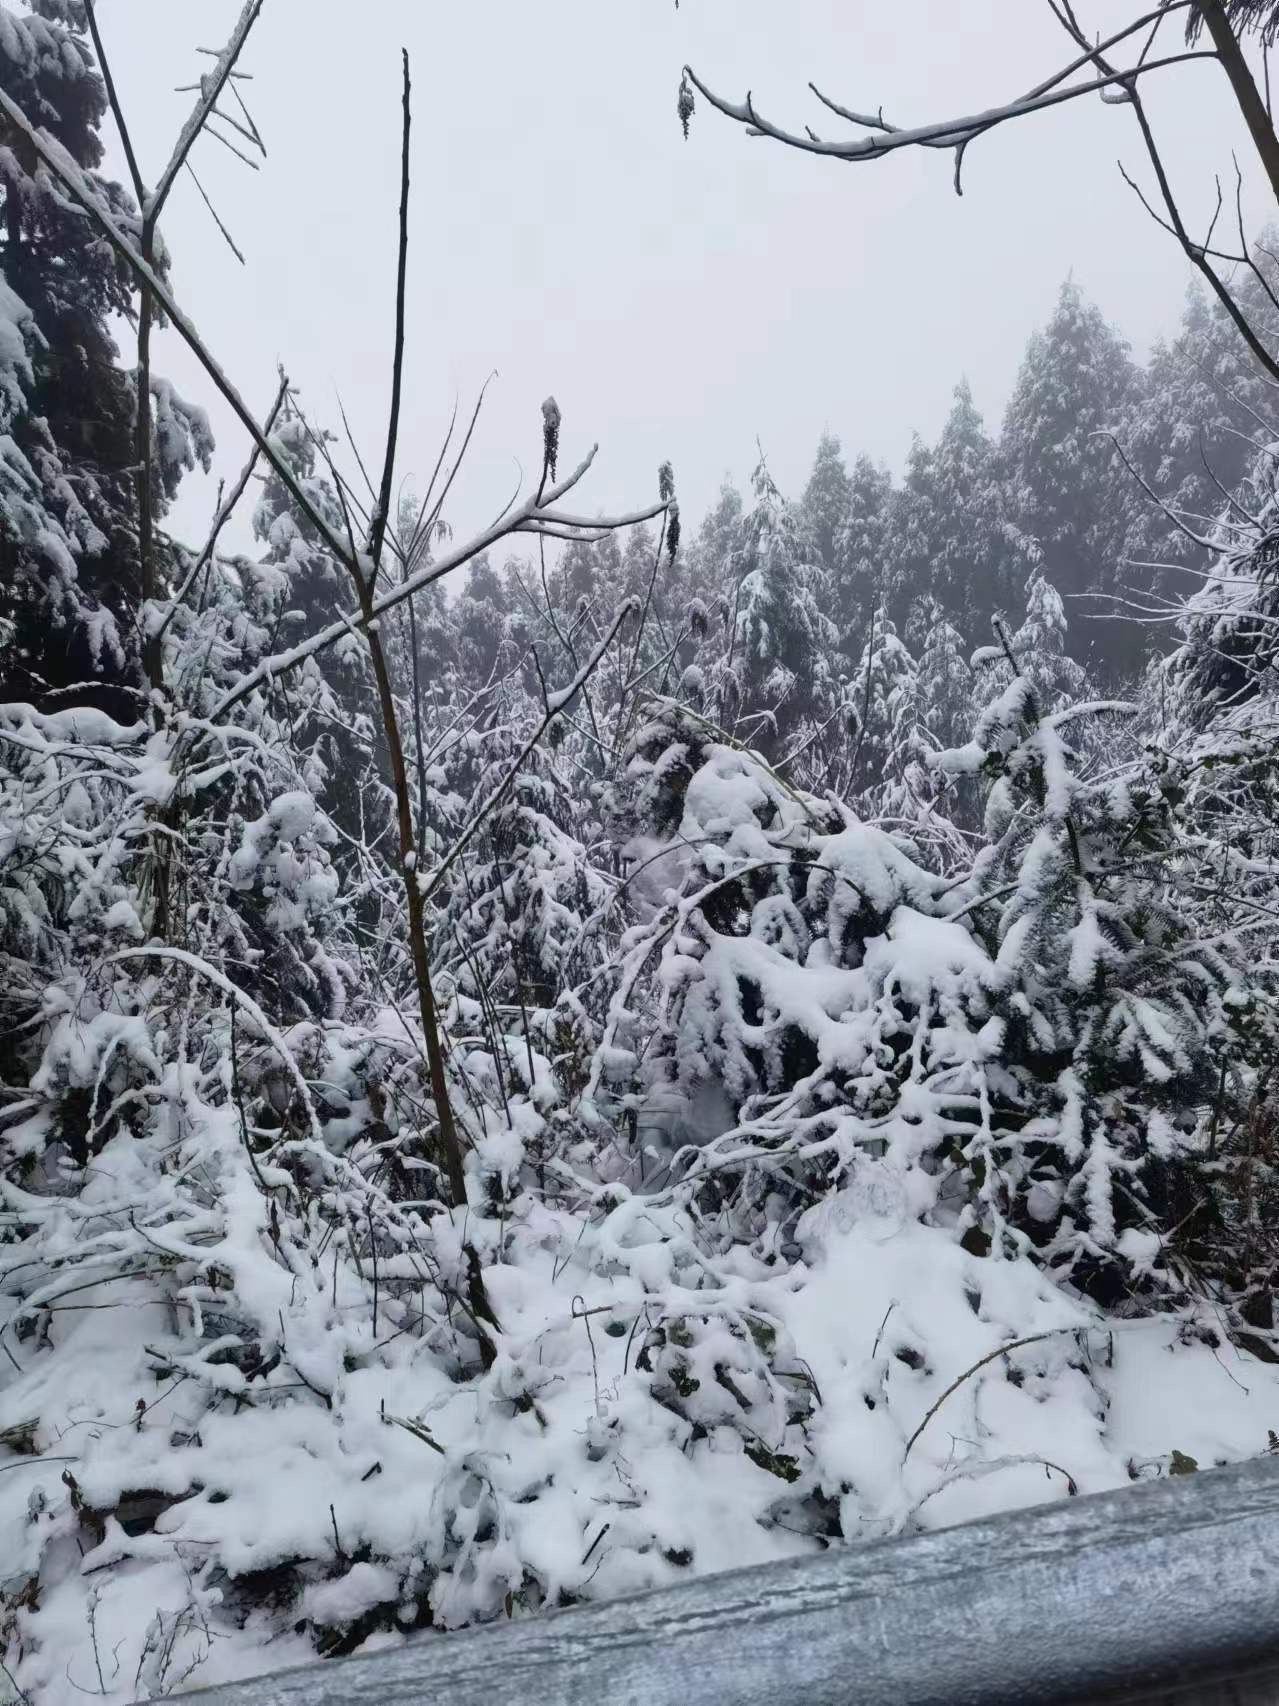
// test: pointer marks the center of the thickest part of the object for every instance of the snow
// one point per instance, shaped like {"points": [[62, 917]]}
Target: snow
{"points": [[269, 1451], [886, 1314], [17, 326], [80, 724], [830, 1096]]}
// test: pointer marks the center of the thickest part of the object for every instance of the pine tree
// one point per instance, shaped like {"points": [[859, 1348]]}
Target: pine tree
{"points": [[945, 688], [1070, 491], [1115, 1017], [945, 680], [911, 530], [1040, 647], [69, 574], [482, 621], [882, 703], [781, 639], [861, 552], [980, 557], [1038, 650], [1189, 435], [826, 499], [311, 589], [717, 535], [295, 588], [1224, 672], [589, 570]]}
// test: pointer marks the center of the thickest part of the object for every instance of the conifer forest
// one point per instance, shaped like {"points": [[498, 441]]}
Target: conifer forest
{"points": [[540, 1062]]}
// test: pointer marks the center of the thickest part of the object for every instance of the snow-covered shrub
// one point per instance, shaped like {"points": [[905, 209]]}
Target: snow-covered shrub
{"points": [[1113, 1017]]}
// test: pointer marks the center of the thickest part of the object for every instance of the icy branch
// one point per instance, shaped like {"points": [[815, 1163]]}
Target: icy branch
{"points": [[211, 88], [211, 974], [951, 133], [955, 133]]}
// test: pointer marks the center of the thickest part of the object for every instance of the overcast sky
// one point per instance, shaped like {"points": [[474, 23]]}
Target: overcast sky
{"points": [[678, 298]]}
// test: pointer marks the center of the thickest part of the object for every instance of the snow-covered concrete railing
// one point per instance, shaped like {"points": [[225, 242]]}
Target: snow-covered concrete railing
{"points": [[1165, 1592]]}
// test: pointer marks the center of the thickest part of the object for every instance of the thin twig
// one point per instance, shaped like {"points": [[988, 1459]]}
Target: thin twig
{"points": [[377, 526], [991, 1356]]}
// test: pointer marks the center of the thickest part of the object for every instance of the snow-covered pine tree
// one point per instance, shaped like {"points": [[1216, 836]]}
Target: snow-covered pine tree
{"points": [[521, 922], [1069, 490], [295, 588], [819, 1057], [1037, 649], [1224, 674], [482, 623], [826, 499], [1212, 714], [781, 639], [861, 552], [944, 688], [945, 677], [1040, 646], [716, 538], [1114, 1017], [979, 556], [587, 569], [1191, 435], [1072, 1077], [910, 535], [881, 708], [69, 577]]}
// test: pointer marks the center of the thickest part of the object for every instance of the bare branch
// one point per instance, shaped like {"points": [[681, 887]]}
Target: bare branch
{"points": [[213, 53], [522, 517], [1195, 538], [435, 474], [211, 88], [425, 522], [243, 130], [1247, 95], [377, 525], [230, 240], [956, 133], [248, 116], [117, 111], [514, 522], [1196, 255], [354, 448], [210, 130]]}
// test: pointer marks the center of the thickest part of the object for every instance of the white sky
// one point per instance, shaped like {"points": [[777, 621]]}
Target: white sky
{"points": [[677, 298]]}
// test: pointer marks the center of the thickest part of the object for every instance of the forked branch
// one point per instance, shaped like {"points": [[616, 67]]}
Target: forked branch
{"points": [[958, 133], [524, 517], [211, 88], [151, 205], [1200, 254]]}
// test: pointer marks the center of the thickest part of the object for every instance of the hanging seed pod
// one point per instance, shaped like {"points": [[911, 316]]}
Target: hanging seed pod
{"points": [[684, 105], [551, 435]]}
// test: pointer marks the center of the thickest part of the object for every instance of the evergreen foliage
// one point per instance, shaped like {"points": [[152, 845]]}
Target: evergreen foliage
{"points": [[69, 584]]}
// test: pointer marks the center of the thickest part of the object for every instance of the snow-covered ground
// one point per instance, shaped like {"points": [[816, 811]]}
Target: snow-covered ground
{"points": [[596, 1489]]}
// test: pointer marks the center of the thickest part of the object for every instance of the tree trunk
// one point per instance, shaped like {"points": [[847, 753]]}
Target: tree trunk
{"points": [[1251, 104]]}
